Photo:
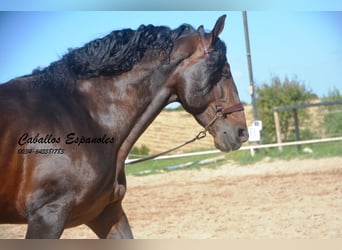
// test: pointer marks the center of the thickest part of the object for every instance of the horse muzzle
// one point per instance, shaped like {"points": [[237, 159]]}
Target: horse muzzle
{"points": [[230, 139]]}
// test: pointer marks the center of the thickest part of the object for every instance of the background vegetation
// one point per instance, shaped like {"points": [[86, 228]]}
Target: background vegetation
{"points": [[332, 121], [281, 93]]}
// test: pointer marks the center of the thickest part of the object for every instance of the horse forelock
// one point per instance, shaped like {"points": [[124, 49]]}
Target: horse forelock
{"points": [[111, 55]]}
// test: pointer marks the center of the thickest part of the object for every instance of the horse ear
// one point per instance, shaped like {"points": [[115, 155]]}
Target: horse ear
{"points": [[200, 29], [219, 25]]}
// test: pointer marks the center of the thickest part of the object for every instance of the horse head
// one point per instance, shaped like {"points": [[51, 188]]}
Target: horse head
{"points": [[206, 89]]}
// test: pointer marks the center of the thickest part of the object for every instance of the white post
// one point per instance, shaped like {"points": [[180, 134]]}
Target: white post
{"points": [[252, 152], [277, 127]]}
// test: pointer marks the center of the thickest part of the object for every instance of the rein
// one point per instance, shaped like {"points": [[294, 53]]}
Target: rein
{"points": [[199, 136], [220, 112]]}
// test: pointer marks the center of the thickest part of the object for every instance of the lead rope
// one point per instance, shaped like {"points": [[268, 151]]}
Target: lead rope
{"points": [[199, 136]]}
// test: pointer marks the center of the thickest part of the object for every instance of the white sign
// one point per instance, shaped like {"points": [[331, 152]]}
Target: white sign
{"points": [[254, 130], [254, 133]]}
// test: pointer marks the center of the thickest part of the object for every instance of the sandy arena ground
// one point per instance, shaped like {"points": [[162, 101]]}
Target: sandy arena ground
{"points": [[297, 199]]}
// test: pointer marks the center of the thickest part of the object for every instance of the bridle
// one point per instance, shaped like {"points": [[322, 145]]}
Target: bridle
{"points": [[220, 112]]}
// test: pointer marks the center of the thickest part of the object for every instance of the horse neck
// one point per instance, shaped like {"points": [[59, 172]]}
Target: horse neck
{"points": [[124, 105]]}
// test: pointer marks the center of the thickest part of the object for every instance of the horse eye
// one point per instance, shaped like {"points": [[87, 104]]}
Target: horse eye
{"points": [[226, 73]]}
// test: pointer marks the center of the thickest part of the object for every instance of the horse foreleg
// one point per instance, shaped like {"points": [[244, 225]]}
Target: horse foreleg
{"points": [[112, 223], [121, 230], [48, 221]]}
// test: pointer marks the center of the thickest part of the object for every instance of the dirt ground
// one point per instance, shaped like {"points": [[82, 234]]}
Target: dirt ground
{"points": [[297, 199]]}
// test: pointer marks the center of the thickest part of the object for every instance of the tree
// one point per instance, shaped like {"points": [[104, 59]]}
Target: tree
{"points": [[280, 93], [332, 121]]}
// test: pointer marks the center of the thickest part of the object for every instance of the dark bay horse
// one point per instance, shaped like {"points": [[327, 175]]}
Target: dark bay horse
{"points": [[66, 130]]}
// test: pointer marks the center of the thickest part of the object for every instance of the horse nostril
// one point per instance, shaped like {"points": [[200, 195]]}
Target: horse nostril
{"points": [[243, 134]]}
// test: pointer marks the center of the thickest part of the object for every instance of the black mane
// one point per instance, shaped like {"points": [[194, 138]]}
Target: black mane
{"points": [[111, 55]]}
